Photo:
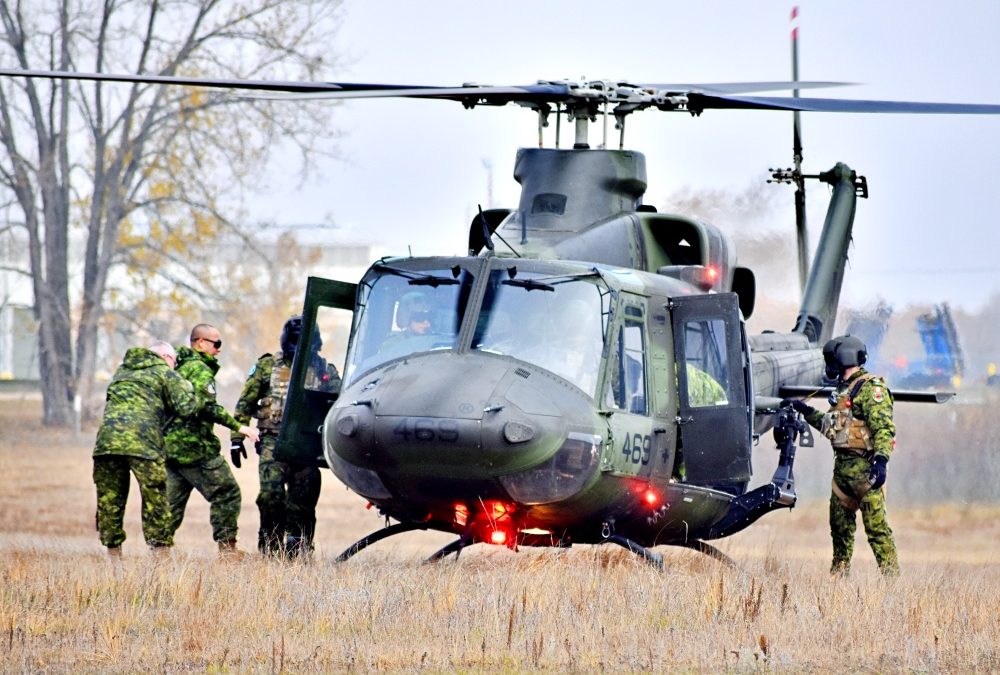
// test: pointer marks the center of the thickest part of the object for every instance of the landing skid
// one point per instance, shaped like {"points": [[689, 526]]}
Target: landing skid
{"points": [[651, 557], [654, 559], [454, 547], [711, 552], [378, 535]]}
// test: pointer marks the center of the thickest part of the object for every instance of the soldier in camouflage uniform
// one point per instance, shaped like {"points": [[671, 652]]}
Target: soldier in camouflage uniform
{"points": [[143, 395], [288, 491], [860, 428], [193, 459]]}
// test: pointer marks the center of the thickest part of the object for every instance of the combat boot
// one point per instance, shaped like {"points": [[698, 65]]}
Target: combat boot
{"points": [[228, 550], [298, 548]]}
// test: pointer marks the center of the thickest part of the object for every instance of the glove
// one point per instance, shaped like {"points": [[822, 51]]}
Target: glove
{"points": [[799, 405], [236, 449], [876, 474]]}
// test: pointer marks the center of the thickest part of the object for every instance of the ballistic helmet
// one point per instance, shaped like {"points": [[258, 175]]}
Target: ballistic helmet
{"points": [[290, 335], [842, 353]]}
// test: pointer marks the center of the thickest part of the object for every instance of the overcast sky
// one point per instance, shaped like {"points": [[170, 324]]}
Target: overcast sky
{"points": [[415, 170]]}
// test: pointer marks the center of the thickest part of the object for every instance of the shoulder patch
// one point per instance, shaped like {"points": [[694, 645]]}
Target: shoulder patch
{"points": [[253, 369], [878, 394]]}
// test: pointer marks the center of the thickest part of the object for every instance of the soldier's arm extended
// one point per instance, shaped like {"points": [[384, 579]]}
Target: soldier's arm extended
{"points": [[815, 418], [215, 412], [876, 406]]}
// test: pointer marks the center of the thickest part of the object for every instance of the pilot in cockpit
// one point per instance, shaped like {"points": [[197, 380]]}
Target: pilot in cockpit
{"points": [[413, 317]]}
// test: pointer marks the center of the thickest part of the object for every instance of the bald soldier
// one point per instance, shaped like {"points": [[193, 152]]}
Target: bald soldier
{"points": [[862, 432], [193, 450], [144, 394]]}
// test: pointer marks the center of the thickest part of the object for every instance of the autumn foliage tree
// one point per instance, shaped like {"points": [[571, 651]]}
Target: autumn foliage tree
{"points": [[112, 181]]}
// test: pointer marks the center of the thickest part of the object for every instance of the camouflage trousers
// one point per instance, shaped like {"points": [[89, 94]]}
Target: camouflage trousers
{"points": [[214, 480], [287, 503], [850, 473], [111, 476]]}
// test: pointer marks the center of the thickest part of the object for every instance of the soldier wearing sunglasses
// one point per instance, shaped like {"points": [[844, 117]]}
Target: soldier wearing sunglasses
{"points": [[194, 461]]}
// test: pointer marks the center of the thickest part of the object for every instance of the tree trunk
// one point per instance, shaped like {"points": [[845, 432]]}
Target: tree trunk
{"points": [[56, 382]]}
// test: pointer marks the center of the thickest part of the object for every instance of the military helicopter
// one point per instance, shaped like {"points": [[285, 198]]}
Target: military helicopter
{"points": [[584, 374], [591, 379]]}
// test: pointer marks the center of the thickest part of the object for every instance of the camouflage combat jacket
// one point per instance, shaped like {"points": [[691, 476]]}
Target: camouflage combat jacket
{"points": [[144, 395], [263, 395], [871, 405], [193, 439]]}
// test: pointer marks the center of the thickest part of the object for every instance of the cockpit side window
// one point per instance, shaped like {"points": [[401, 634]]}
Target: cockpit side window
{"points": [[626, 387]]}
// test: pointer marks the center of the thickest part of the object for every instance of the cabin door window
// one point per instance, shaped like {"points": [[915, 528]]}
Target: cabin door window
{"points": [[713, 433]]}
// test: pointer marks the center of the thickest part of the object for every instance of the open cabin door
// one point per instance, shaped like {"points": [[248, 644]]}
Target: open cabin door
{"points": [[713, 423], [327, 315]]}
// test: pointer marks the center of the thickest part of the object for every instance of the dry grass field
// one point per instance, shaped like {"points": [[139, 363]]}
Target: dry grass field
{"points": [[65, 607]]}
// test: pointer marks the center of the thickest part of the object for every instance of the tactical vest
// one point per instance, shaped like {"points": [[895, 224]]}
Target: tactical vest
{"points": [[843, 429], [273, 404]]}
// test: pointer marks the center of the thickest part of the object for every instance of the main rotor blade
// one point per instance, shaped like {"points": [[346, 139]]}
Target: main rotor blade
{"points": [[698, 102], [359, 89], [540, 92], [586, 94], [744, 87]]}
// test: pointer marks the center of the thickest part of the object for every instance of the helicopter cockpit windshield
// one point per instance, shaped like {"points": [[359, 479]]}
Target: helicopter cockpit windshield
{"points": [[407, 311], [555, 322]]}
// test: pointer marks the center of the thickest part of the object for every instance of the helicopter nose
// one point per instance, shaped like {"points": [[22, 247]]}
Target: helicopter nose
{"points": [[465, 420]]}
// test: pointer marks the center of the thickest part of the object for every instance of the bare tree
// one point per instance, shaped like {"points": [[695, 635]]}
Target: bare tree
{"points": [[147, 175]]}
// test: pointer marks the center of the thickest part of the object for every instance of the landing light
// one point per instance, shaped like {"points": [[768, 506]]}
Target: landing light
{"points": [[495, 523], [499, 510], [461, 514]]}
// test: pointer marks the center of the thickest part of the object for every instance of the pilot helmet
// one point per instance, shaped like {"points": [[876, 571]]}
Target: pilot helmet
{"points": [[412, 306], [290, 335], [842, 353]]}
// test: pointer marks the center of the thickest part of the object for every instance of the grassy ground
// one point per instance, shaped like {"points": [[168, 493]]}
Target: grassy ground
{"points": [[65, 607]]}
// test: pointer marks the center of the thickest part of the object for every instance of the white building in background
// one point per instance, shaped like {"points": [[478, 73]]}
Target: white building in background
{"points": [[18, 328]]}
